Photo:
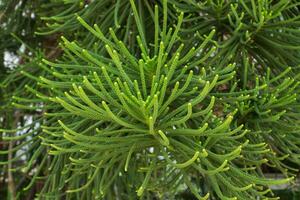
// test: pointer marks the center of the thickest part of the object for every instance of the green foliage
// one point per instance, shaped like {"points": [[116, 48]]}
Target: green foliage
{"points": [[155, 99]]}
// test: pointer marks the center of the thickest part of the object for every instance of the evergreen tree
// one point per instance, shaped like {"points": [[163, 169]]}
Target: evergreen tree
{"points": [[140, 99]]}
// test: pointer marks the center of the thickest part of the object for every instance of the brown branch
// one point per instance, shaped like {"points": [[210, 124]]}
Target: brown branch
{"points": [[10, 178]]}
